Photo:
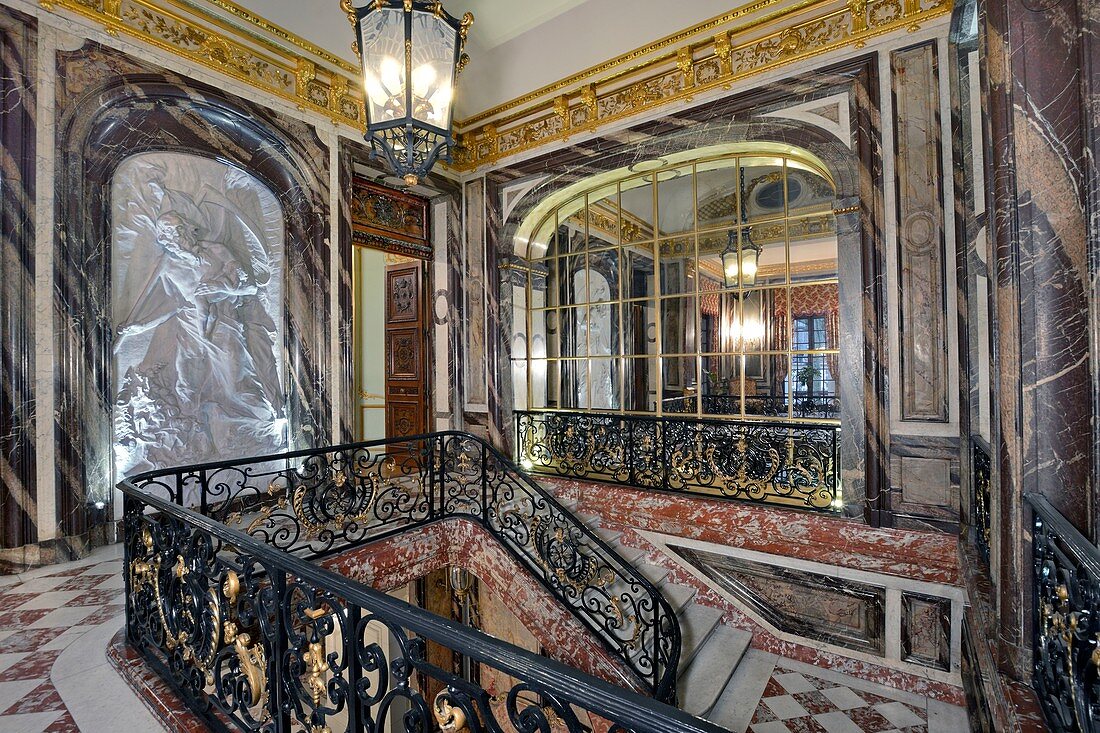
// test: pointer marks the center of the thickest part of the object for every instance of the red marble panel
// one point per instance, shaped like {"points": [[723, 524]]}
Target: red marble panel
{"points": [[396, 561], [926, 556], [34, 666], [614, 512]]}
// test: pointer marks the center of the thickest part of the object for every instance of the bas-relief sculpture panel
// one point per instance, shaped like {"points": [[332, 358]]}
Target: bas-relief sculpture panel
{"points": [[197, 283]]}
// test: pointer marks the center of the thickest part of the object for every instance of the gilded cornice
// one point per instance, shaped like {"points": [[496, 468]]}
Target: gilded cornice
{"points": [[242, 46], [788, 34], [767, 34]]}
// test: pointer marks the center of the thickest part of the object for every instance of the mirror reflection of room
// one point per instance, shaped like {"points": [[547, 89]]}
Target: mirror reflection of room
{"points": [[707, 288]]}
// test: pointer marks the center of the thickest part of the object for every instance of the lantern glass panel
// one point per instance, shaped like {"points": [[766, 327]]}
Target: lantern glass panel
{"points": [[433, 67], [382, 44]]}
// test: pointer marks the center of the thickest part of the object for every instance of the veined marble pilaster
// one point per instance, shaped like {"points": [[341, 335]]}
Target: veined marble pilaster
{"points": [[19, 494], [1040, 123]]}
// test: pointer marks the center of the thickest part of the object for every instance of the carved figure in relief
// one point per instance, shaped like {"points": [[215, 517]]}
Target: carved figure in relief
{"points": [[195, 323]]}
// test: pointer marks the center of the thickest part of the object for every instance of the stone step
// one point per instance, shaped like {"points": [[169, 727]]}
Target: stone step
{"points": [[630, 554], [702, 684], [678, 595], [588, 520], [737, 703], [607, 535], [653, 573], [696, 623]]}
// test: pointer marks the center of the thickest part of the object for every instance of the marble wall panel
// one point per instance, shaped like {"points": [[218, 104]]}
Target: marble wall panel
{"points": [[845, 613], [109, 107], [18, 89], [926, 630], [922, 316], [925, 480], [348, 152], [475, 310], [1040, 128]]}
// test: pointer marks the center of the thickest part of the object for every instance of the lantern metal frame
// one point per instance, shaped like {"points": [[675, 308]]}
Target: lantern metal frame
{"points": [[411, 146], [746, 245]]}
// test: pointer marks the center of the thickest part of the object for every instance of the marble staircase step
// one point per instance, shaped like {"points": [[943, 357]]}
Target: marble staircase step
{"points": [[705, 679], [678, 595], [737, 703], [588, 520], [653, 573], [696, 623], [607, 535]]}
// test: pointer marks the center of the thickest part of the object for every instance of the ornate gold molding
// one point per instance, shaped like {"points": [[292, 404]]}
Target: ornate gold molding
{"points": [[254, 52], [790, 34], [226, 37]]}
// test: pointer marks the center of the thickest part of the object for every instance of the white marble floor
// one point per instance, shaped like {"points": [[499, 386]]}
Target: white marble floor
{"points": [[55, 624]]}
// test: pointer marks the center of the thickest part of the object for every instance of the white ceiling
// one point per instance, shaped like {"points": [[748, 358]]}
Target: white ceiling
{"points": [[515, 46]]}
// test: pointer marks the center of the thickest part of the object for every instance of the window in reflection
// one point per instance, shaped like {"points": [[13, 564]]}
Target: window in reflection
{"points": [[630, 306]]}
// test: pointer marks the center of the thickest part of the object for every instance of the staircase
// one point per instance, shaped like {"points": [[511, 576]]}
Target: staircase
{"points": [[711, 650]]}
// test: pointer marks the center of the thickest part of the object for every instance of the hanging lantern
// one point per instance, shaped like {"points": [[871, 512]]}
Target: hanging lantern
{"points": [[739, 264], [411, 52], [740, 268], [731, 267]]}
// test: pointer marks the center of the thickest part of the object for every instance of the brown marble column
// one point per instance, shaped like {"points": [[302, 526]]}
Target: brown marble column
{"points": [[1039, 117]]}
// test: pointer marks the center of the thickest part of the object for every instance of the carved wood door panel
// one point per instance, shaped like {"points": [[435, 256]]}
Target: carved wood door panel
{"points": [[406, 351]]}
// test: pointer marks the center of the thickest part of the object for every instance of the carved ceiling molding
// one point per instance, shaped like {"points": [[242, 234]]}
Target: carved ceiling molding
{"points": [[765, 35], [234, 42], [763, 42]]}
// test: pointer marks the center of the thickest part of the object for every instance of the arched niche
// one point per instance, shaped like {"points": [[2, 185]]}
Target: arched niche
{"points": [[112, 107]]}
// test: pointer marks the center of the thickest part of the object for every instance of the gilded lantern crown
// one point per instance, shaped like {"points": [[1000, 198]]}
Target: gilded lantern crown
{"points": [[411, 52]]}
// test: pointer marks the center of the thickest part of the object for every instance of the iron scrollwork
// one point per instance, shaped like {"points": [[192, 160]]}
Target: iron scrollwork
{"points": [[981, 469], [1066, 624], [225, 603], [791, 464]]}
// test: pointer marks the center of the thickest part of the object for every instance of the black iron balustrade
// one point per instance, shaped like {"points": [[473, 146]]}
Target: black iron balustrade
{"points": [[818, 407], [981, 476], [1066, 621], [225, 602], [786, 463]]}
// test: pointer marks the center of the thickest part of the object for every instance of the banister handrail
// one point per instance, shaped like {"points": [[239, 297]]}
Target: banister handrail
{"points": [[630, 709], [653, 621]]}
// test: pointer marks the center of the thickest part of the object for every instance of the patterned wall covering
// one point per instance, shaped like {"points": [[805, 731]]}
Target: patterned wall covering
{"points": [[18, 456], [110, 106]]}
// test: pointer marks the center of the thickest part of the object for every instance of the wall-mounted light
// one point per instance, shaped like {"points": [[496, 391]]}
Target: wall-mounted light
{"points": [[411, 53]]}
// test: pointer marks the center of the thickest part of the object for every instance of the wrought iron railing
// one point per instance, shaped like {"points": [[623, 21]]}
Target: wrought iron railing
{"points": [[787, 463], [819, 407], [981, 473], [1066, 622], [225, 602]]}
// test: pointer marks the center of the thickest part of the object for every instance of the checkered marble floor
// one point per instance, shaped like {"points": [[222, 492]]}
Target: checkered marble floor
{"points": [[54, 623], [798, 700]]}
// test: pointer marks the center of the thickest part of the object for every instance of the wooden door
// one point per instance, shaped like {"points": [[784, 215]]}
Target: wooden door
{"points": [[406, 351]]}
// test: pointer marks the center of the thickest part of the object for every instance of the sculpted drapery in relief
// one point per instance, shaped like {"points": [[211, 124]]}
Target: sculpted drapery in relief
{"points": [[197, 303]]}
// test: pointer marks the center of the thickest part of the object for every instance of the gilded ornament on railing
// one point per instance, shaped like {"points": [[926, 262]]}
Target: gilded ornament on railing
{"points": [[451, 718], [253, 663], [780, 463], [197, 605]]}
